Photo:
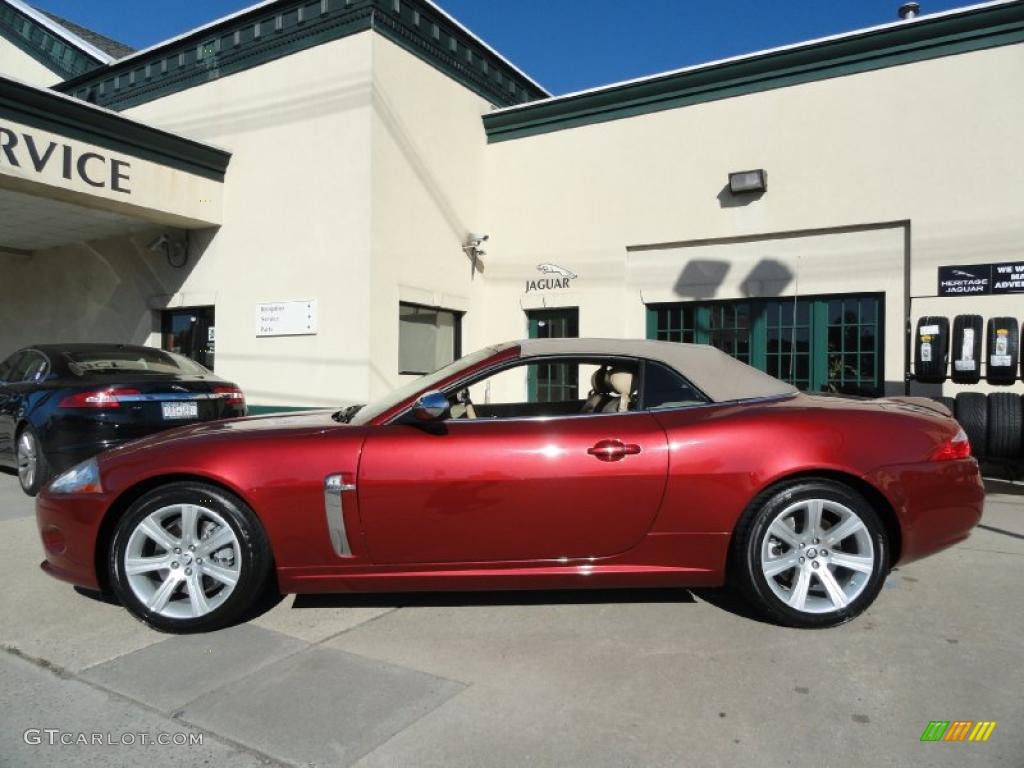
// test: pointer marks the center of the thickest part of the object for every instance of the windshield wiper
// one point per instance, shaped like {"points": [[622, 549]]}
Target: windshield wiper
{"points": [[345, 414]]}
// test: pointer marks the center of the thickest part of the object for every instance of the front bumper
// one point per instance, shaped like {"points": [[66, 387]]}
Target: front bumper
{"points": [[69, 527], [937, 503]]}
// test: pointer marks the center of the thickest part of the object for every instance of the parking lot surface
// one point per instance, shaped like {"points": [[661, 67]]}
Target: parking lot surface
{"points": [[608, 678]]}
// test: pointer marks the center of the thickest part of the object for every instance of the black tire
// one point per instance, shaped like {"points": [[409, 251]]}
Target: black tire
{"points": [[1004, 425], [949, 402], [931, 367], [42, 471], [972, 413], [254, 556], [1002, 374], [966, 370], [750, 535]]}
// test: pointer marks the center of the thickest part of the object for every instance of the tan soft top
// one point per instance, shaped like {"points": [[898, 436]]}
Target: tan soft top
{"points": [[720, 377]]}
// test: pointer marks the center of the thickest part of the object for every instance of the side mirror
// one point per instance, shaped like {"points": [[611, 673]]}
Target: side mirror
{"points": [[431, 406]]}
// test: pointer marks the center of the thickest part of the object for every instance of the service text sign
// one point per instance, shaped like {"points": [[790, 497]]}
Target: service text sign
{"points": [[286, 318], [981, 279]]}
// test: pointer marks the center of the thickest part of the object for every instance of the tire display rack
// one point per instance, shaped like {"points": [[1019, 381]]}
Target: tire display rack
{"points": [[967, 349]]}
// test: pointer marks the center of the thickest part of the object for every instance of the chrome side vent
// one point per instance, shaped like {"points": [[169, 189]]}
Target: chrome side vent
{"points": [[334, 486]]}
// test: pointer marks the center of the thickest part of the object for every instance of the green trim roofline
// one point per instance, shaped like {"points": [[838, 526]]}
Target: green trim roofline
{"points": [[271, 30], [37, 38], [926, 37], [49, 111]]}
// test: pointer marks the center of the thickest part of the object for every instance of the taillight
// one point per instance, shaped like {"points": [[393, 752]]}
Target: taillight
{"points": [[98, 398], [231, 395], [957, 447]]}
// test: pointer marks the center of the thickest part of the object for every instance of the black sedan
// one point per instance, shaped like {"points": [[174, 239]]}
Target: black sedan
{"points": [[61, 404]]}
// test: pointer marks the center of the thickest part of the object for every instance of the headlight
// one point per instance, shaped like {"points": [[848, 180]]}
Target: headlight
{"points": [[81, 478]]}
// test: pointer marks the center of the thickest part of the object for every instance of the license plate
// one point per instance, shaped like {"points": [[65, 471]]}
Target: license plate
{"points": [[186, 410]]}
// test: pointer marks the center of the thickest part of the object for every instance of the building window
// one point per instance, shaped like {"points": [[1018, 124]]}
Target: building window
{"points": [[428, 338], [553, 382], [189, 332], [817, 343]]}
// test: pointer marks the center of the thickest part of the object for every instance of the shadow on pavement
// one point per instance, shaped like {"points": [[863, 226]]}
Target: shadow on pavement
{"points": [[514, 597], [993, 485]]}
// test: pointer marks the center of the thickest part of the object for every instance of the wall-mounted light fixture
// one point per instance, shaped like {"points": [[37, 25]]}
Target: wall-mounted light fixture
{"points": [[745, 182]]}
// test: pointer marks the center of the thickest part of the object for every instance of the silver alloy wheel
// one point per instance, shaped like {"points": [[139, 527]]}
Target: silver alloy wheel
{"points": [[182, 561], [28, 459], [817, 556]]}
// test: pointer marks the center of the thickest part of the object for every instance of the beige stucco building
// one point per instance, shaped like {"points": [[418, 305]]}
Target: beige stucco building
{"points": [[297, 194]]}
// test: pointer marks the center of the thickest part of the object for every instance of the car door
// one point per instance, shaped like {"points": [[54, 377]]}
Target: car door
{"points": [[511, 489]]}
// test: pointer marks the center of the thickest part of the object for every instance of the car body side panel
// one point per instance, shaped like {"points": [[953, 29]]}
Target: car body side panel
{"points": [[721, 457], [510, 489], [938, 503]]}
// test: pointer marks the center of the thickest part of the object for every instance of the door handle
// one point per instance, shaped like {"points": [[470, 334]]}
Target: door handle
{"points": [[613, 450]]}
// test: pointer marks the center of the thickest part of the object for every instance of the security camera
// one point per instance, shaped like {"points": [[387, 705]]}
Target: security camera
{"points": [[159, 243], [477, 239]]}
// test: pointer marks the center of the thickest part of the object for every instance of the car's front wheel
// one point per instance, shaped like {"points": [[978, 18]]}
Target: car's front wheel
{"points": [[33, 468], [188, 557], [812, 553]]}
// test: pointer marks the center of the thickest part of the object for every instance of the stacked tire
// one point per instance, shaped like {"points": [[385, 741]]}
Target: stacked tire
{"points": [[994, 424]]}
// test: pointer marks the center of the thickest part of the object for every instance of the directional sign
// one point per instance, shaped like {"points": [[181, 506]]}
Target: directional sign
{"points": [[286, 318]]}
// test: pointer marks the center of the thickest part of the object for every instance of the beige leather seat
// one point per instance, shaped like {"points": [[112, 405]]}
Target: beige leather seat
{"points": [[600, 392], [620, 381]]}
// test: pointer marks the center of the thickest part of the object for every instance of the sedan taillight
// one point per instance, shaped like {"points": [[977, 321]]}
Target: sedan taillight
{"points": [[957, 447], [98, 398], [230, 394]]}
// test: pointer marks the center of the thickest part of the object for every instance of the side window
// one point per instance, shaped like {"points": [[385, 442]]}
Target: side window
{"points": [[664, 388], [526, 390], [36, 369], [7, 366], [24, 367]]}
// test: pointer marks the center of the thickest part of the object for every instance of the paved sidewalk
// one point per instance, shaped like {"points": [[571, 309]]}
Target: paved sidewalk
{"points": [[610, 678]]}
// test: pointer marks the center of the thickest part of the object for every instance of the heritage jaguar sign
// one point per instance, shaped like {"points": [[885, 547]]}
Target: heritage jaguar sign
{"points": [[981, 279], [25, 151], [560, 278]]}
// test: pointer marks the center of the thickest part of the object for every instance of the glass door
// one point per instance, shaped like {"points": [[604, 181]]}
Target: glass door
{"points": [[189, 332]]}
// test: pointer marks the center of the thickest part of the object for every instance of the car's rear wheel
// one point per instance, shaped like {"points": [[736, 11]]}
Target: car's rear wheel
{"points": [[33, 468], [188, 557], [812, 553]]}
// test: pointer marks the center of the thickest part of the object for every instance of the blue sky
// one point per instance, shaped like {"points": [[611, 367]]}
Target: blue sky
{"points": [[565, 44]]}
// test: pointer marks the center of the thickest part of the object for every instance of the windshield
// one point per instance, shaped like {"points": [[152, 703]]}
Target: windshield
{"points": [[133, 360], [369, 412]]}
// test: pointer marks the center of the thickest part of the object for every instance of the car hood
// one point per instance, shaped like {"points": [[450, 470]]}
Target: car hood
{"points": [[269, 426]]}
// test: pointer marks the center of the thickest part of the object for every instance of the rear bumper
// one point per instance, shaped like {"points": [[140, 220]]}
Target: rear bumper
{"points": [[937, 503], [69, 528]]}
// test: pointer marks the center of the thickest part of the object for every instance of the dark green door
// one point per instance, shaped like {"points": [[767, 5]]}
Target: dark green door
{"points": [[818, 343], [553, 383]]}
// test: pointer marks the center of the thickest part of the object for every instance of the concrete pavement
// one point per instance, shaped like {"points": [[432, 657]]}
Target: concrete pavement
{"points": [[610, 678]]}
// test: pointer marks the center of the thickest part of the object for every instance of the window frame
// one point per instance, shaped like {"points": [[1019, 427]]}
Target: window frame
{"points": [[456, 335], [450, 390]]}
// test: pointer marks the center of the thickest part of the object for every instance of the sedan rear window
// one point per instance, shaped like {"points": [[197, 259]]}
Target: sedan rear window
{"points": [[116, 360]]}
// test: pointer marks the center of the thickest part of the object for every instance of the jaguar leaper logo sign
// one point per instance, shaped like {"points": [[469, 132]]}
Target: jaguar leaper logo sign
{"points": [[559, 277]]}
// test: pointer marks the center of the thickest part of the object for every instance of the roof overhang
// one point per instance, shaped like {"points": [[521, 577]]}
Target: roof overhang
{"points": [[81, 172], [931, 36], [58, 49], [274, 28]]}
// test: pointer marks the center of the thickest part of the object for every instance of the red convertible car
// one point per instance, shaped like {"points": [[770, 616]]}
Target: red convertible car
{"points": [[680, 467]]}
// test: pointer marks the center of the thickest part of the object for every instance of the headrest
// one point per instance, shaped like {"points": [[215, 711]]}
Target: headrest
{"points": [[599, 382], [621, 381]]}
